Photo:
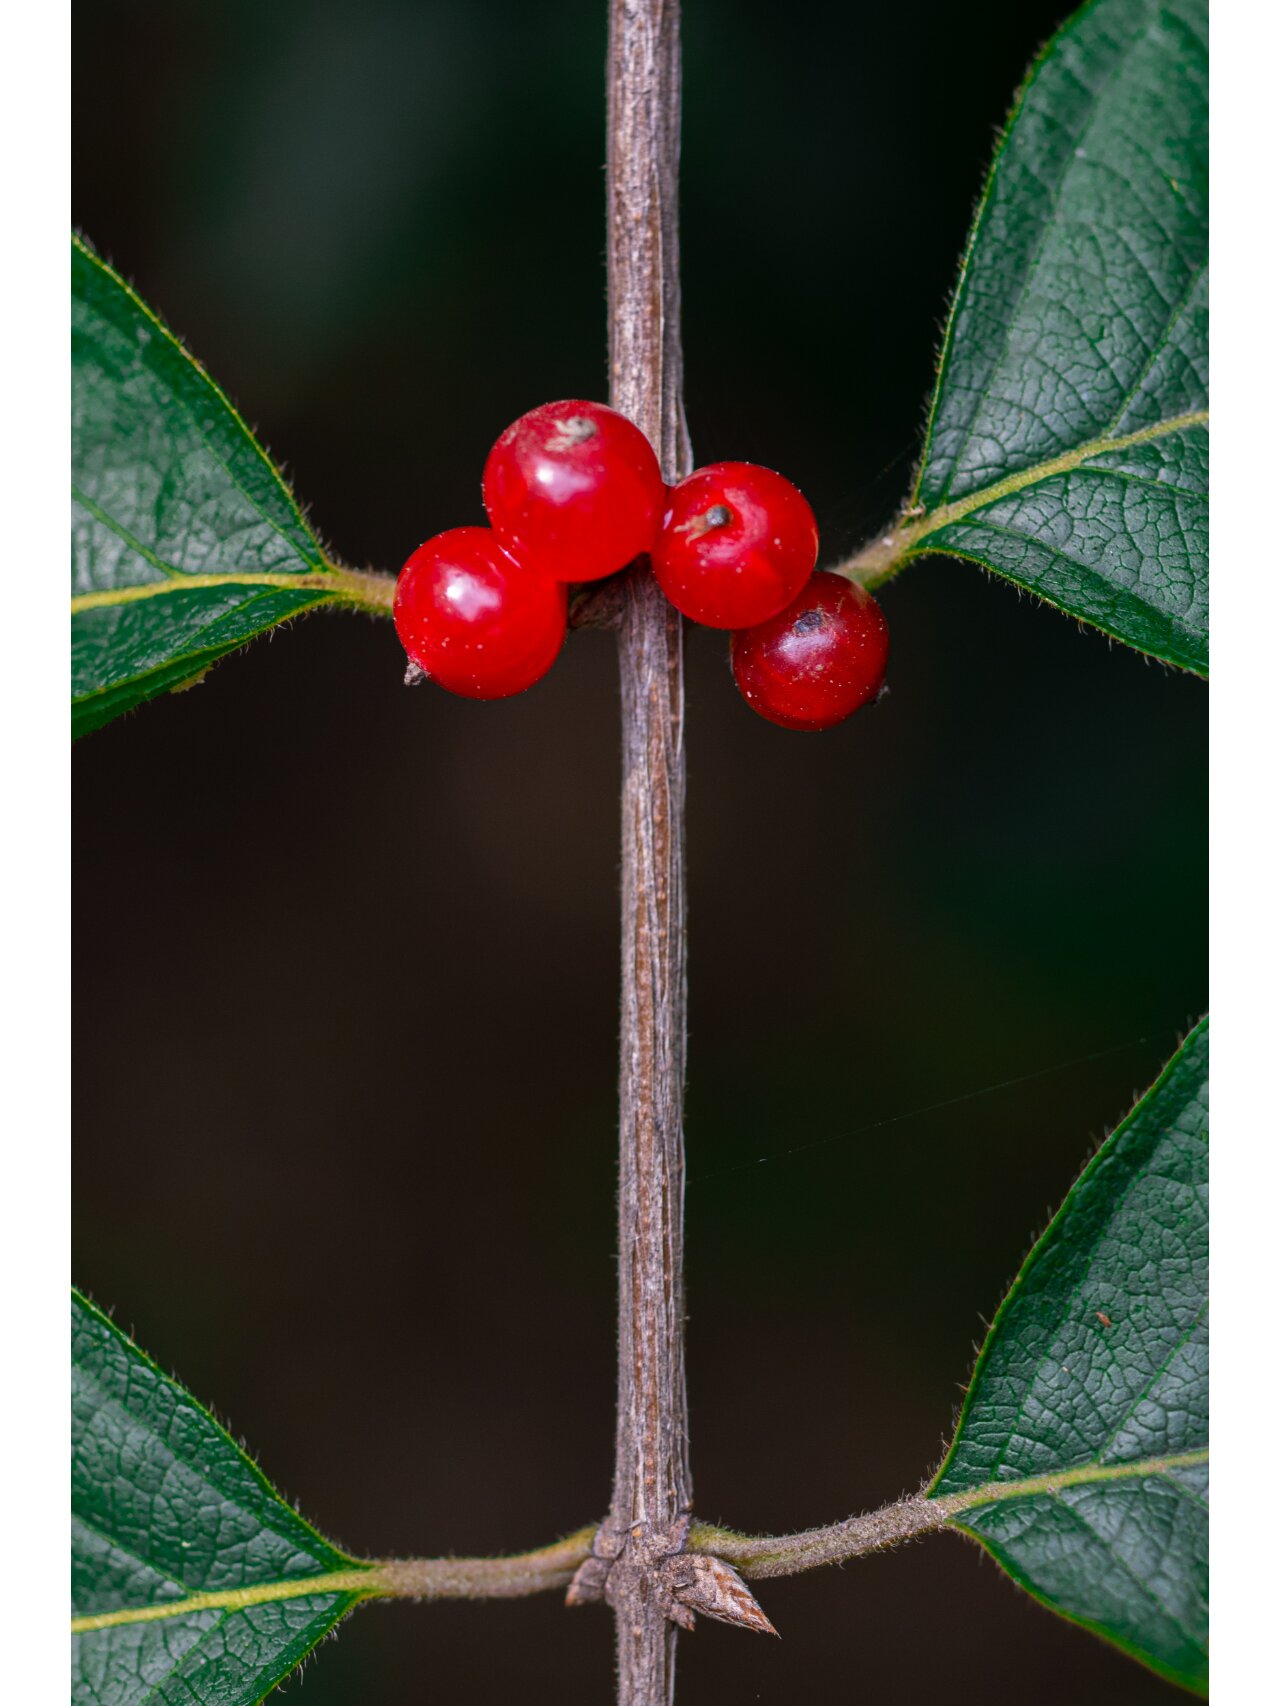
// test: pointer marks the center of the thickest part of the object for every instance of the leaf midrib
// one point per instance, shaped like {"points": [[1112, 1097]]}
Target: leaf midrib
{"points": [[1084, 1474], [883, 557], [356, 1580], [348, 586]]}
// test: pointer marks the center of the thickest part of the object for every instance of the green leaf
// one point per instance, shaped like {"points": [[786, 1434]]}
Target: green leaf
{"points": [[1067, 445], [1081, 1461], [185, 541], [192, 1580]]}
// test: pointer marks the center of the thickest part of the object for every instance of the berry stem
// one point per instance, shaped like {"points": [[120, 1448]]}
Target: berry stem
{"points": [[652, 1489]]}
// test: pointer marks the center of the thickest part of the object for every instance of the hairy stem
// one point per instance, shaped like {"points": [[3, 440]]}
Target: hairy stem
{"points": [[484, 1578], [652, 1487], [789, 1554], [758, 1556]]}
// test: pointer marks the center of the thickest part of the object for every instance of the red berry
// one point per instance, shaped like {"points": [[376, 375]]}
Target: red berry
{"points": [[574, 489], [474, 619], [814, 664], [737, 544]]}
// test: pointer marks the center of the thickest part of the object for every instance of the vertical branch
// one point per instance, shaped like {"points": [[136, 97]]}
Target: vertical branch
{"points": [[652, 1488], [639, 1561]]}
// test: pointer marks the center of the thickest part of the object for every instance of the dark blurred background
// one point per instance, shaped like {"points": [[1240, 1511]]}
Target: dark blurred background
{"points": [[347, 960]]}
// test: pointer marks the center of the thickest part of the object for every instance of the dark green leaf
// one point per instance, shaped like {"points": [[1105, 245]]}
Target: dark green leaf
{"points": [[185, 540], [1067, 446], [193, 1583], [1082, 1457]]}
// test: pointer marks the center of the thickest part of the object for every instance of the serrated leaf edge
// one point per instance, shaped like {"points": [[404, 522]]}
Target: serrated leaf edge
{"points": [[1173, 1065], [95, 259]]}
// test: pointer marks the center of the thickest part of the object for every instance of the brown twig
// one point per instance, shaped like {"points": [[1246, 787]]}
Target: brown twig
{"points": [[639, 1549]]}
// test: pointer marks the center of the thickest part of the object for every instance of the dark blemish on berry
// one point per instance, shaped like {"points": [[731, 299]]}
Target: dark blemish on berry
{"points": [[572, 432], [719, 515], [809, 622]]}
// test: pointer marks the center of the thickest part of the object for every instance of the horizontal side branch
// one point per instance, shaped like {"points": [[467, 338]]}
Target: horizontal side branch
{"points": [[788, 1554], [485, 1578], [755, 1556]]}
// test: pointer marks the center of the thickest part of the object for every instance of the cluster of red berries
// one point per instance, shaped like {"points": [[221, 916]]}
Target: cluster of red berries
{"points": [[573, 493]]}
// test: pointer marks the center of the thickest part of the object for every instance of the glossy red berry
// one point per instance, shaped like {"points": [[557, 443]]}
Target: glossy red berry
{"points": [[574, 489], [737, 543], [816, 662], [478, 622]]}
